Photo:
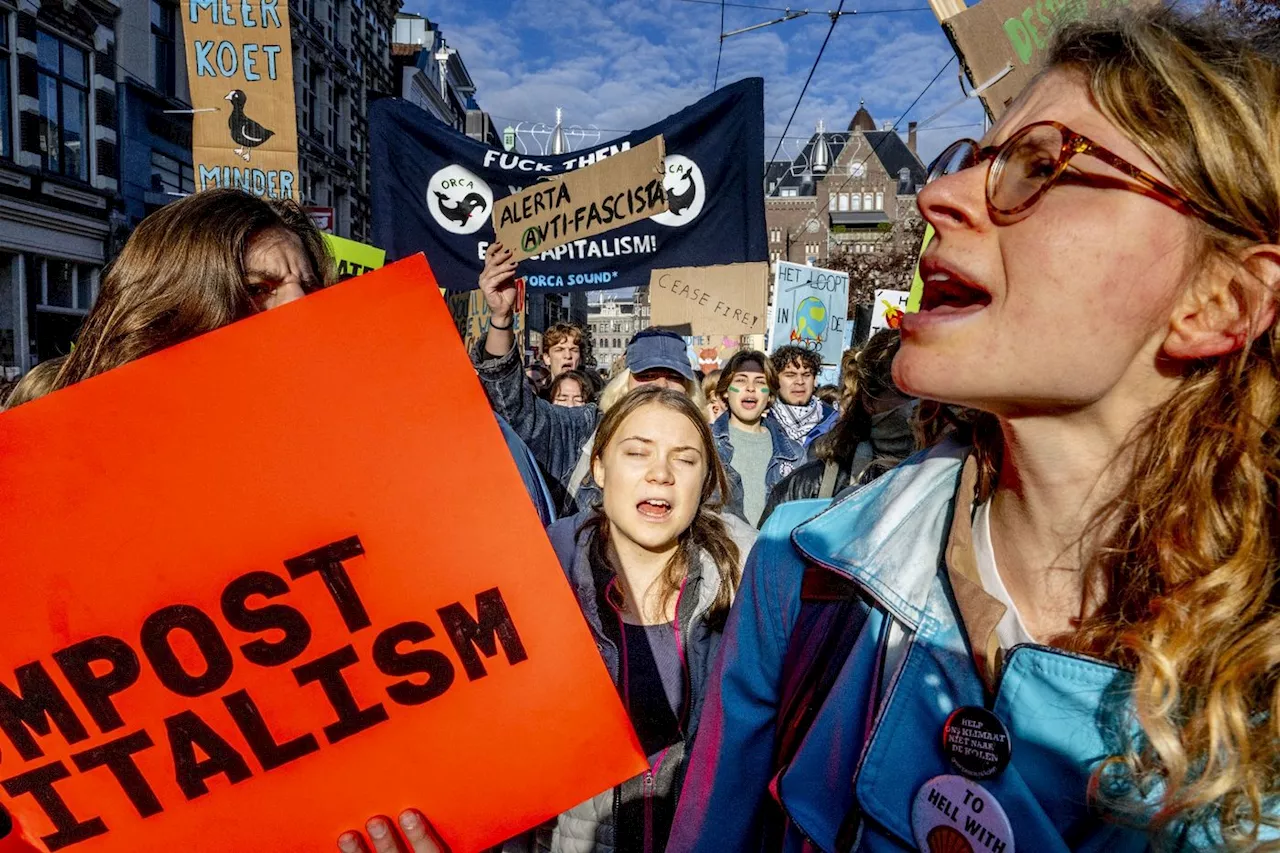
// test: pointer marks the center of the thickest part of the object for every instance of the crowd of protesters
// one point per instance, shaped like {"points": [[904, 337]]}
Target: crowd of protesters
{"points": [[1022, 565]]}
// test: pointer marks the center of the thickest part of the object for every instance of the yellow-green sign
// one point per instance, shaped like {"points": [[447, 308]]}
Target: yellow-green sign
{"points": [[917, 283], [354, 258]]}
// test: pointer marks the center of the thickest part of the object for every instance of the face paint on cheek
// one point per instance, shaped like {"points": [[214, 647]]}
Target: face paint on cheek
{"points": [[735, 389]]}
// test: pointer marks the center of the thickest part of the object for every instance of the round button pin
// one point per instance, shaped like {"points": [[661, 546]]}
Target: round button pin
{"points": [[976, 742], [952, 814]]}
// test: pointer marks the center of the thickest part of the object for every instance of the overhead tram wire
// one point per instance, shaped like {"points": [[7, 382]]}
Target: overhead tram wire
{"points": [[835, 18], [719, 49], [789, 9], [876, 147]]}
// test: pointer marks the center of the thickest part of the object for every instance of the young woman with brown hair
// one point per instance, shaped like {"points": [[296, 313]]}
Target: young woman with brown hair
{"points": [[1066, 634], [193, 266], [655, 567]]}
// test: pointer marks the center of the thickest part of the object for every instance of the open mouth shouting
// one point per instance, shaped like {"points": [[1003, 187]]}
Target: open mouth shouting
{"points": [[948, 295], [654, 509]]}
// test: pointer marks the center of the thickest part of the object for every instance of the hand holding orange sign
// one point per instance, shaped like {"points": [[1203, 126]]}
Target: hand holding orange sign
{"points": [[239, 613]]}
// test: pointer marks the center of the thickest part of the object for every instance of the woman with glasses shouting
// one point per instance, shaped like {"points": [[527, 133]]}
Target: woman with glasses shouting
{"points": [[1061, 632]]}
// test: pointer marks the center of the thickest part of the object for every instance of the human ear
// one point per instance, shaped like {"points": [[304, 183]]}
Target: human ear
{"points": [[597, 472], [1231, 303]]}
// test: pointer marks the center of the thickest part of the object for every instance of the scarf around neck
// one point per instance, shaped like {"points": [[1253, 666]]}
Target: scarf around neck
{"points": [[798, 421]]}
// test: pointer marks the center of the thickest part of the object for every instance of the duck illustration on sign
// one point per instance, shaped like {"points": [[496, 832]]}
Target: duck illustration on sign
{"points": [[245, 132]]}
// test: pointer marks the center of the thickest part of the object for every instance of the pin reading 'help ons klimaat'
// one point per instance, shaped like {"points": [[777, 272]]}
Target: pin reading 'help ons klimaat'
{"points": [[976, 742]]}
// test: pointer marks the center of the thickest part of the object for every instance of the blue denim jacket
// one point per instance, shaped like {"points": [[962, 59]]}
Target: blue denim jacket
{"points": [[788, 455], [873, 752]]}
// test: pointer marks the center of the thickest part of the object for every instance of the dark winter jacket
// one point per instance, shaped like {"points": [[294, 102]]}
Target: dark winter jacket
{"points": [[534, 483], [614, 821], [787, 456], [556, 435], [892, 440]]}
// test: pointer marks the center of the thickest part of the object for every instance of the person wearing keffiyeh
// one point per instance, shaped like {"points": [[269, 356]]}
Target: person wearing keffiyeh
{"points": [[797, 410]]}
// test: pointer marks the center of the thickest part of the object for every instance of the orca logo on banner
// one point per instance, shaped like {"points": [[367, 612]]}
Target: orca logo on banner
{"points": [[459, 201], [686, 191]]}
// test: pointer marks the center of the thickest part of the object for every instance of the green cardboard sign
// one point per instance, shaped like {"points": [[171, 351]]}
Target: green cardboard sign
{"points": [[354, 258]]}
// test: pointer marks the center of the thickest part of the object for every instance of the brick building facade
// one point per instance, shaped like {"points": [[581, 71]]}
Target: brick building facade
{"points": [[59, 166], [842, 193]]}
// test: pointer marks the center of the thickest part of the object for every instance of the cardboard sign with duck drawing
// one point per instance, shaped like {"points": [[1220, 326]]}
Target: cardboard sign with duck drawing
{"points": [[240, 69]]}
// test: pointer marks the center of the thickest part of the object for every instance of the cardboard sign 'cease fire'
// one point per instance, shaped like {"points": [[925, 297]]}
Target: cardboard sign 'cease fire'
{"points": [[246, 605]]}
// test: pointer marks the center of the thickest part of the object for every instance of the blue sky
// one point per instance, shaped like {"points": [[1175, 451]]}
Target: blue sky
{"points": [[622, 64]]}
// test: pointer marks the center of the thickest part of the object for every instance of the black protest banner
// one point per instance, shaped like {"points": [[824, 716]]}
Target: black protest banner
{"points": [[434, 191]]}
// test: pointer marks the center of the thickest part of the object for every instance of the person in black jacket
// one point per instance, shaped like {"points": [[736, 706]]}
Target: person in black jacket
{"points": [[873, 434]]}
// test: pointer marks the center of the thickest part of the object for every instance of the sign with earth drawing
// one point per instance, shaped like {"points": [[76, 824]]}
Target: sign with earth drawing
{"points": [[810, 309]]}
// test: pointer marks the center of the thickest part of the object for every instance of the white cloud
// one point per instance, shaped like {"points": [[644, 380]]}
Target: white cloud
{"points": [[625, 64]]}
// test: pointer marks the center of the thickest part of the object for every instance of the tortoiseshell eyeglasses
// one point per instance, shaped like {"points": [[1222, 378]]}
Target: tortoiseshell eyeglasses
{"points": [[1031, 161]]}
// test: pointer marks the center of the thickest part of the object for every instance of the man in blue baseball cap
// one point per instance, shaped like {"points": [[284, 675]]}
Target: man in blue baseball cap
{"points": [[656, 356], [560, 437]]}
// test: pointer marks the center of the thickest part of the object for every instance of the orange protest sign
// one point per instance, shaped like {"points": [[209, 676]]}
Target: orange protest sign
{"points": [[272, 581]]}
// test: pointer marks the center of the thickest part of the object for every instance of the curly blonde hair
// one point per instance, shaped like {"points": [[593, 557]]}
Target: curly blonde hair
{"points": [[1187, 576]]}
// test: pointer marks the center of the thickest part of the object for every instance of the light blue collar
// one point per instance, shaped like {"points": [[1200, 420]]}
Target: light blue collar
{"points": [[890, 536]]}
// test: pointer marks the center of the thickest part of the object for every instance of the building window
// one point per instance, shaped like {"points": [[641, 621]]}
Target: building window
{"points": [[310, 108], [788, 192], [64, 106], [6, 103], [11, 342], [775, 235], [171, 176], [879, 201], [336, 95], [164, 37], [774, 256], [868, 200], [856, 201], [59, 294], [844, 202]]}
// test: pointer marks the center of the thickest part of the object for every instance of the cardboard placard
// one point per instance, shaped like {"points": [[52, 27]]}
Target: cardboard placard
{"points": [[890, 307], [1017, 33], [732, 299], [917, 283], [353, 258], [242, 611], [616, 191], [810, 309], [244, 132], [475, 317]]}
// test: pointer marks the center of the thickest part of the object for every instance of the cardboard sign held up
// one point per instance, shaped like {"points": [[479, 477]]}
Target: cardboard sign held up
{"points": [[240, 67], [725, 300], [616, 191], [810, 309], [353, 258], [1016, 33], [890, 306], [239, 616]]}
